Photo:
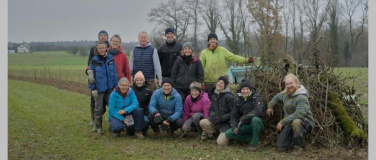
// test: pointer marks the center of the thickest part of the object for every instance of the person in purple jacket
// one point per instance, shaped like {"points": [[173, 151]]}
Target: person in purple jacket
{"points": [[196, 107]]}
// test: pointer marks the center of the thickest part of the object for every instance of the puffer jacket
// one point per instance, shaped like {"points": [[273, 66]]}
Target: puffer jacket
{"points": [[117, 102], [104, 73], [201, 105], [170, 108], [168, 54], [184, 74], [221, 106]]}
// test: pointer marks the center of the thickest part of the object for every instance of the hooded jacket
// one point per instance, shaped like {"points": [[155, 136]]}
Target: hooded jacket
{"points": [[170, 108], [104, 73], [214, 62], [295, 106], [168, 54], [117, 102], [246, 109], [122, 63], [184, 74], [221, 106], [201, 105]]}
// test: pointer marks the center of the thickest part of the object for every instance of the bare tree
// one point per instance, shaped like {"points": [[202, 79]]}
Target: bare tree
{"points": [[210, 14], [194, 7], [172, 14], [232, 32]]}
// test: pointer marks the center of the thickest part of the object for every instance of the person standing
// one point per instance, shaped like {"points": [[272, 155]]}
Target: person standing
{"points": [[187, 69], [121, 59], [103, 68], [246, 117], [144, 58], [298, 119], [214, 59], [169, 52]]}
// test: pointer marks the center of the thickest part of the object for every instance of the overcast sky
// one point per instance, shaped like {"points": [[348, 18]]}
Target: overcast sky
{"points": [[68, 20]]}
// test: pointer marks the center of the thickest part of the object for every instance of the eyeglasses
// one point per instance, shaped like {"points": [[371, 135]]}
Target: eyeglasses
{"points": [[115, 41]]}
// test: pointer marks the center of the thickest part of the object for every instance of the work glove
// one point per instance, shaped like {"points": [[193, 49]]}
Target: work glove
{"points": [[91, 78], [158, 119], [251, 59], [216, 120], [94, 93], [237, 129], [130, 120]]}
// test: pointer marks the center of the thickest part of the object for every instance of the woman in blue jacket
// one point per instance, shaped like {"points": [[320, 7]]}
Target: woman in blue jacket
{"points": [[123, 109], [102, 65]]}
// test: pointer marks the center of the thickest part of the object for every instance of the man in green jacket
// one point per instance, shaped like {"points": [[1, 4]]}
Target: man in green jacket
{"points": [[214, 59], [298, 118]]}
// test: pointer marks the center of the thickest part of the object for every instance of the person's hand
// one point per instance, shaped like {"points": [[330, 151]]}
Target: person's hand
{"points": [[125, 121], [91, 78], [269, 111], [236, 130], [251, 59], [279, 126], [121, 112], [158, 118], [166, 123], [95, 94], [216, 120]]}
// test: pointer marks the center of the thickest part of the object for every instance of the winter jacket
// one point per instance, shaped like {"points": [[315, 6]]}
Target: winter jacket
{"points": [[104, 73], [172, 108], [146, 59], [168, 54], [91, 54], [295, 106], [246, 109], [184, 74], [221, 106], [214, 62], [118, 102], [143, 95], [201, 105], [122, 63]]}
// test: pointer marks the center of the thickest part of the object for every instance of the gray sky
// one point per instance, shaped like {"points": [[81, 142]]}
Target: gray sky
{"points": [[68, 20]]}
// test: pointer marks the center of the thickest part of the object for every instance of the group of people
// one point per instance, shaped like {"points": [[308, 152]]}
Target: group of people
{"points": [[190, 93]]}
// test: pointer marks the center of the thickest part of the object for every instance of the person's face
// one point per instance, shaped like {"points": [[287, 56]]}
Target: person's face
{"points": [[170, 37], [291, 85], [103, 37], [139, 82], [124, 87], [220, 86], [101, 49], [245, 92], [167, 88], [143, 39], [115, 42], [213, 41], [195, 93], [187, 51]]}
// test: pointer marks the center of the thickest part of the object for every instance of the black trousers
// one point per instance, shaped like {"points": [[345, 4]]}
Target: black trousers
{"points": [[293, 134], [173, 127]]}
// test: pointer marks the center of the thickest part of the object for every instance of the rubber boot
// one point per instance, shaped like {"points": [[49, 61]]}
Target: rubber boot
{"points": [[98, 122]]}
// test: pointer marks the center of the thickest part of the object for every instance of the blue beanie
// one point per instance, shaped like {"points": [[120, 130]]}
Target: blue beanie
{"points": [[169, 29], [102, 32]]}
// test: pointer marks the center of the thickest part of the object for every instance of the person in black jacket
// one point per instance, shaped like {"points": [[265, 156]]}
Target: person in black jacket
{"points": [[187, 69], [169, 52], [222, 102], [103, 37], [246, 122], [143, 94]]}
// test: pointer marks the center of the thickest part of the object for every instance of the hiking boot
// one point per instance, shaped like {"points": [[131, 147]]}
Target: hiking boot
{"points": [[251, 148], [298, 151], [145, 133], [157, 135], [204, 136], [171, 134], [116, 135], [139, 135]]}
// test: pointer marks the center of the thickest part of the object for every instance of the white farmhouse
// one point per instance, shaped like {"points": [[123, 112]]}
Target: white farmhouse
{"points": [[23, 48]]}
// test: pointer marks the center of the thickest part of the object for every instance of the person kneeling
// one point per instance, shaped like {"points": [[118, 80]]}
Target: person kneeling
{"points": [[246, 123], [124, 105]]}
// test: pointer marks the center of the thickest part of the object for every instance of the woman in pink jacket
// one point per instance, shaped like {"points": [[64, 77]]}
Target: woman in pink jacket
{"points": [[196, 107]]}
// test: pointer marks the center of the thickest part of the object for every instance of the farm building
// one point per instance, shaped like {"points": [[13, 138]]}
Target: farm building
{"points": [[23, 48]]}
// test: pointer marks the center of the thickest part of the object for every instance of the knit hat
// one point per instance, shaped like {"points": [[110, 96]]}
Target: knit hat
{"points": [[167, 80], [212, 35], [139, 75], [188, 44], [245, 83], [224, 79], [102, 32], [169, 29], [196, 86]]}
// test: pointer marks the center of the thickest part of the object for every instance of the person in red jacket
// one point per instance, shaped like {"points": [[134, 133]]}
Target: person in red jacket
{"points": [[121, 59]]}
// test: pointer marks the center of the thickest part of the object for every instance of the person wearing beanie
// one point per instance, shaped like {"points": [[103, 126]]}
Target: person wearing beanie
{"points": [[143, 94], [196, 107], [165, 109], [105, 81], [222, 102], [169, 52], [144, 57], [102, 37], [214, 61], [121, 59], [187, 69], [246, 118]]}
